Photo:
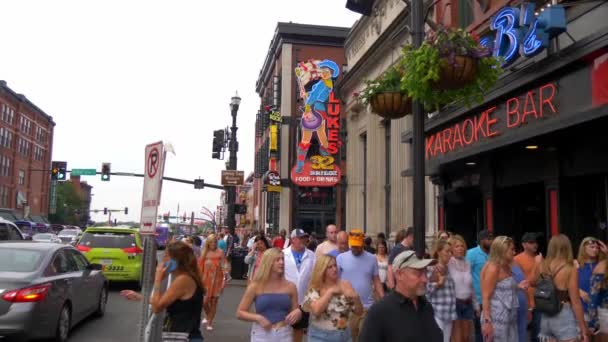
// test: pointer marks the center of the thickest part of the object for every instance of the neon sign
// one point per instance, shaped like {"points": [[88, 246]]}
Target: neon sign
{"points": [[520, 32]]}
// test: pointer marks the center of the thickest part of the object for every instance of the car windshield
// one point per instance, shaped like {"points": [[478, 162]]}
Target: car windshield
{"points": [[68, 232], [43, 236], [108, 239], [19, 260]]}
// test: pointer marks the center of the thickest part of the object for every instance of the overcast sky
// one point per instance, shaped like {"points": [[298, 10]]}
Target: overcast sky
{"points": [[117, 75]]}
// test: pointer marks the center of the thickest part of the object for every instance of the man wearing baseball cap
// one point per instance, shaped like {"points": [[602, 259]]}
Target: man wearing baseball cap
{"points": [[360, 268], [527, 261], [299, 262], [404, 315]]}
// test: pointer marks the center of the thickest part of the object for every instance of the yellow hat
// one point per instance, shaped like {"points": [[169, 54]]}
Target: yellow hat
{"points": [[356, 238]]}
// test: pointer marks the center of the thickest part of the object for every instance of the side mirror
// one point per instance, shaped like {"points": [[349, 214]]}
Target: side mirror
{"points": [[94, 267]]}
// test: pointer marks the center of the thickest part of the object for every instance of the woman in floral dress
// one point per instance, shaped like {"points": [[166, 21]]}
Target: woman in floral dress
{"points": [[598, 306], [213, 269], [331, 302]]}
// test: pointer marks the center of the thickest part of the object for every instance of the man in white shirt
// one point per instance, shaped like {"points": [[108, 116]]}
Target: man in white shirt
{"points": [[328, 245], [299, 262]]}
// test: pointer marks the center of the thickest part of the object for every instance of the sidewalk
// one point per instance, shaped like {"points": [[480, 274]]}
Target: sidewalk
{"points": [[227, 328]]}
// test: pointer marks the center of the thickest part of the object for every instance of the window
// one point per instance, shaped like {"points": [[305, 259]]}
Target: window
{"points": [[61, 264], [21, 177], [5, 166], [24, 147], [7, 114], [6, 137], [38, 153], [80, 261], [25, 124], [19, 260], [40, 135], [465, 14], [3, 197], [108, 240]]}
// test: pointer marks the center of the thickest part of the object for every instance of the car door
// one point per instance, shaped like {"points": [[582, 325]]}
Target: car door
{"points": [[90, 280], [71, 277]]}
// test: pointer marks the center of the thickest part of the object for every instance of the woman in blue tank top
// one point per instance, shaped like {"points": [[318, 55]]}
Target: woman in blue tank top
{"points": [[275, 299]]}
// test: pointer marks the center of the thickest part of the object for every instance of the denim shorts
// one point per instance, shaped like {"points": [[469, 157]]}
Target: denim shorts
{"points": [[464, 310], [321, 335], [561, 327]]}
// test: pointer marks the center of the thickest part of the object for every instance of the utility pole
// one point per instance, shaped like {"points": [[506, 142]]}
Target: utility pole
{"points": [[233, 147]]}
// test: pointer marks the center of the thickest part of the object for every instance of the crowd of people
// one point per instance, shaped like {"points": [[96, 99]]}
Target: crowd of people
{"points": [[354, 288]]}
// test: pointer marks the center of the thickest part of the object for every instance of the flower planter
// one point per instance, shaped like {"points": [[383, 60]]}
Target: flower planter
{"points": [[391, 105], [458, 74]]}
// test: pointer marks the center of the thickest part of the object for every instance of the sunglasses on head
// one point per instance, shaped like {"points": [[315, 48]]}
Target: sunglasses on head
{"points": [[591, 242]]}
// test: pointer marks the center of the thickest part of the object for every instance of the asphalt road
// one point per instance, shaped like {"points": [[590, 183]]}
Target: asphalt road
{"points": [[120, 323]]}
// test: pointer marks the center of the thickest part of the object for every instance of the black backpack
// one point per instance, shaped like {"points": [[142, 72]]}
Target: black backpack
{"points": [[545, 295]]}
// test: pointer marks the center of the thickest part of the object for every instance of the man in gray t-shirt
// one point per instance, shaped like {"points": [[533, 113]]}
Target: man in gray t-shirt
{"points": [[360, 268]]}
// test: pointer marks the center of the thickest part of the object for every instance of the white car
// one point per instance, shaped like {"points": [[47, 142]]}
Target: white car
{"points": [[46, 237], [69, 236]]}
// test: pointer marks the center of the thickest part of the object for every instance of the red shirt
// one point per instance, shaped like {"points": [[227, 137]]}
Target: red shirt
{"points": [[278, 242]]}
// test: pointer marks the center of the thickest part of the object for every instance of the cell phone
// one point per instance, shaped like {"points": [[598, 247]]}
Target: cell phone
{"points": [[170, 265]]}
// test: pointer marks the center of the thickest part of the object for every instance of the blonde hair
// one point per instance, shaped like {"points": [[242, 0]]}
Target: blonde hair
{"points": [[438, 247], [559, 248], [499, 249], [457, 238], [211, 238], [582, 258], [318, 272], [262, 273]]}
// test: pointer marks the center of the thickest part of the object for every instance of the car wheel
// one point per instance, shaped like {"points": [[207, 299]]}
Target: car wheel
{"points": [[103, 300], [63, 324]]}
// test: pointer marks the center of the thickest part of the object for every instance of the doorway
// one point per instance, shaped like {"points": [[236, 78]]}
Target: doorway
{"points": [[463, 213], [314, 221]]}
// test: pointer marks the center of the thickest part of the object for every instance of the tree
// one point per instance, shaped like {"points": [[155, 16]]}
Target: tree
{"points": [[71, 207]]}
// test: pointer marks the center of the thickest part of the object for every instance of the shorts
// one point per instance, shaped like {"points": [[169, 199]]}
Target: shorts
{"points": [[561, 327], [303, 322], [603, 319], [464, 310], [258, 334], [322, 335]]}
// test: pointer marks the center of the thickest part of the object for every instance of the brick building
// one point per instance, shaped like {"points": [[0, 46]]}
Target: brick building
{"points": [[84, 191], [26, 144]]}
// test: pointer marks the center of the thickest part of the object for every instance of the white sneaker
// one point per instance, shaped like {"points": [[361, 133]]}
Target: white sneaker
{"points": [[204, 321]]}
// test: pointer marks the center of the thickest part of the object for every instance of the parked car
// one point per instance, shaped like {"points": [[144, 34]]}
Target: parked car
{"points": [[69, 235], [46, 237], [118, 250], [9, 231], [29, 228], [47, 288], [56, 228]]}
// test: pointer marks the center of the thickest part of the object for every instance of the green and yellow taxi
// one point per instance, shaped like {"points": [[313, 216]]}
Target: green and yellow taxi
{"points": [[118, 250]]}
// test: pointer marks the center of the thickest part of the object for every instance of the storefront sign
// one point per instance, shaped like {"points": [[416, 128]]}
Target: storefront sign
{"points": [[275, 116], [272, 180], [535, 105], [520, 32], [274, 138], [320, 118]]}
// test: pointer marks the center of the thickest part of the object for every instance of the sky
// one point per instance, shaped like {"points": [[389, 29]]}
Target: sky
{"points": [[118, 75]]}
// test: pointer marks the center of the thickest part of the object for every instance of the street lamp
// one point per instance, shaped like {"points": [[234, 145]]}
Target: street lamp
{"points": [[233, 147]]}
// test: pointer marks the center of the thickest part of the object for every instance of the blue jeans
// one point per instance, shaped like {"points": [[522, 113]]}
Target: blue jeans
{"points": [[321, 335]]}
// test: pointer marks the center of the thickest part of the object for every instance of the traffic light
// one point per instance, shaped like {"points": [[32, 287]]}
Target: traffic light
{"points": [[165, 217], [218, 143], [59, 170], [105, 211], [105, 172], [126, 211]]}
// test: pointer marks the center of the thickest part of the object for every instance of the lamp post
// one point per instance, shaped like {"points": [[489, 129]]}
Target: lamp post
{"points": [[233, 147]]}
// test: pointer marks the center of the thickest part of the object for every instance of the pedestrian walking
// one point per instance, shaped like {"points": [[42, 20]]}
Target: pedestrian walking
{"points": [[183, 300], [466, 301], [522, 311], [406, 243], [589, 256], [382, 259], [598, 306], [404, 315], [367, 245], [440, 289], [330, 244], [569, 323], [499, 293], [526, 261], [341, 243], [213, 268], [254, 257], [299, 262], [360, 268], [275, 299], [330, 302], [279, 241], [477, 258]]}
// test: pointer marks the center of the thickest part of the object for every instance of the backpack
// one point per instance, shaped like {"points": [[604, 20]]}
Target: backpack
{"points": [[545, 295]]}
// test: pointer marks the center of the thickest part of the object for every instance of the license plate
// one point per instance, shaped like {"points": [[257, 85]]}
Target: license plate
{"points": [[105, 261]]}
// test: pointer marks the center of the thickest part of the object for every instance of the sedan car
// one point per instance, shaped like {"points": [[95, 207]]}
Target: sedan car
{"points": [[45, 289], [46, 237], [69, 236]]}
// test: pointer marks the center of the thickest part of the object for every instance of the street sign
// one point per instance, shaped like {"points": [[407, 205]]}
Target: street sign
{"points": [[153, 177], [83, 172], [232, 177]]}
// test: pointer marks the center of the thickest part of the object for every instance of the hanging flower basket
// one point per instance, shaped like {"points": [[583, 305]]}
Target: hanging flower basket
{"points": [[385, 95], [391, 105], [460, 72]]}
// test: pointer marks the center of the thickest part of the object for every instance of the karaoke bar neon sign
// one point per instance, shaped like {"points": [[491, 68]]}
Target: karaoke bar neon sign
{"points": [[514, 113], [520, 32]]}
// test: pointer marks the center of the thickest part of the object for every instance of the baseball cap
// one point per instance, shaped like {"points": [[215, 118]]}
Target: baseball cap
{"points": [[297, 233], [356, 238], [530, 237], [484, 234], [409, 259]]}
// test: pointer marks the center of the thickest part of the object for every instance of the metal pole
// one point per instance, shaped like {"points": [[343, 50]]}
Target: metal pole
{"points": [[231, 190], [147, 282], [417, 21]]}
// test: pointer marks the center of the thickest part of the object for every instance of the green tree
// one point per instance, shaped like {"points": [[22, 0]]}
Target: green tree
{"points": [[71, 206]]}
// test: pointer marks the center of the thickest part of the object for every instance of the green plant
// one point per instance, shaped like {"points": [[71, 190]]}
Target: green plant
{"points": [[424, 65], [389, 81]]}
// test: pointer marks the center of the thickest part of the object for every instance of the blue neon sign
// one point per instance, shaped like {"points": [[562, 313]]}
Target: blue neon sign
{"points": [[520, 32]]}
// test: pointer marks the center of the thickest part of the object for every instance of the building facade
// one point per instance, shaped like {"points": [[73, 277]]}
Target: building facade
{"points": [[26, 144], [84, 190], [300, 160], [378, 197], [532, 156]]}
